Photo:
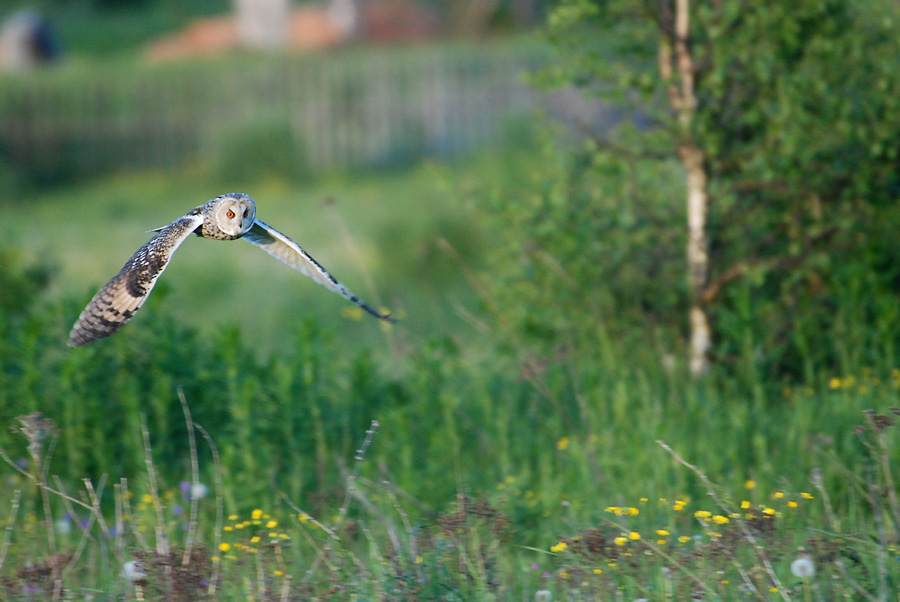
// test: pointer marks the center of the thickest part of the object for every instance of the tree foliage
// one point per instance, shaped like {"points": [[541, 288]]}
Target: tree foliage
{"points": [[794, 106]]}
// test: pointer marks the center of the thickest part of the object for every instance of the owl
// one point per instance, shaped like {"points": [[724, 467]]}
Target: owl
{"points": [[226, 217]]}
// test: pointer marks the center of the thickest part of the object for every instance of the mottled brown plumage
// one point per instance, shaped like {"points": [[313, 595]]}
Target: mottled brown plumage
{"points": [[226, 217]]}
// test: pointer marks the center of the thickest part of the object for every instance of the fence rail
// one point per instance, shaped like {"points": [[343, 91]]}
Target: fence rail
{"points": [[360, 108]]}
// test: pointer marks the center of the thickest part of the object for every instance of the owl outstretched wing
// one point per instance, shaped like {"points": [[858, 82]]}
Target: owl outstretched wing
{"points": [[283, 248], [121, 297]]}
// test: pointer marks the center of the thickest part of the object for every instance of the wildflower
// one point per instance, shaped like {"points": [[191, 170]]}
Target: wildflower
{"points": [[63, 526], [620, 541], [562, 444], [750, 484], [419, 560], [199, 491], [778, 495], [834, 383], [792, 504], [133, 570], [805, 495], [634, 536], [224, 546], [146, 499], [684, 539], [662, 532], [277, 573], [256, 514], [769, 511], [803, 567], [271, 524], [598, 571], [303, 517], [232, 517], [745, 504], [560, 547], [719, 519], [227, 528], [702, 514]]}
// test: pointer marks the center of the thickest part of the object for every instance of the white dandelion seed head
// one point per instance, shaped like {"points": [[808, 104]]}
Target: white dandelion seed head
{"points": [[63, 526], [199, 491], [133, 570], [543, 595], [803, 567]]}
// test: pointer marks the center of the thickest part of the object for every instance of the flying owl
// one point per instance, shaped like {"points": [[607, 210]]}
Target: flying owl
{"points": [[226, 217]]}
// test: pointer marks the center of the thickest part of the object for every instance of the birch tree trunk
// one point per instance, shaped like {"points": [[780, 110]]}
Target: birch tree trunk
{"points": [[676, 65]]}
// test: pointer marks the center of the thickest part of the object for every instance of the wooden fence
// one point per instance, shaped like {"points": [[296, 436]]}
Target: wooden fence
{"points": [[357, 108]]}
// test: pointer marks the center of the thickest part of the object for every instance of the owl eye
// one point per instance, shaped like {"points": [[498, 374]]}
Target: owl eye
{"points": [[230, 214], [246, 212]]}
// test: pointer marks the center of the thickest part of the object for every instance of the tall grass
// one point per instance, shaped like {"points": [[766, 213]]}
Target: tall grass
{"points": [[502, 466]]}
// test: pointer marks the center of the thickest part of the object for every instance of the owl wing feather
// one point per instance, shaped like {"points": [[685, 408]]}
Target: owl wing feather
{"points": [[121, 297], [284, 249]]}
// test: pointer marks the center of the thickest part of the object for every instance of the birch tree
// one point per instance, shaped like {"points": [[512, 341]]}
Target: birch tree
{"points": [[782, 121]]}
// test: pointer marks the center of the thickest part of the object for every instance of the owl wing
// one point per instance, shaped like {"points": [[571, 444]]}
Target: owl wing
{"points": [[284, 249], [121, 297]]}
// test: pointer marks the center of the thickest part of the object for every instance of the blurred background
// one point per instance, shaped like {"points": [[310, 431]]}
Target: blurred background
{"points": [[120, 116]]}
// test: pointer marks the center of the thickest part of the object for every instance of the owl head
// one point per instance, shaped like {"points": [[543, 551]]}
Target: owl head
{"points": [[234, 214]]}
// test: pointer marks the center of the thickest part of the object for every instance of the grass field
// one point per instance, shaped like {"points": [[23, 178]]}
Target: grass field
{"points": [[516, 436], [492, 474]]}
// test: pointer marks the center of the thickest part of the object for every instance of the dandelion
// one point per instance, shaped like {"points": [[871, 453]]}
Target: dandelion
{"points": [[146, 499], [745, 504], [634, 536], [256, 514], [803, 567], [232, 517], [792, 504], [199, 491], [769, 511], [620, 541], [562, 444], [702, 514], [834, 383], [63, 526], [224, 546], [750, 484], [778, 495], [684, 539], [805, 495], [560, 547], [719, 519], [662, 532], [133, 570], [598, 571], [271, 524]]}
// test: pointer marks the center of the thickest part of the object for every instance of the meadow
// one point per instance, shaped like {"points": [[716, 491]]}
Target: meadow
{"points": [[528, 430], [440, 458]]}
